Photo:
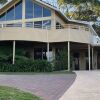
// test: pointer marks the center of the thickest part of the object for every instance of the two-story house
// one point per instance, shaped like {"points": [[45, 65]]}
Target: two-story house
{"points": [[42, 30]]}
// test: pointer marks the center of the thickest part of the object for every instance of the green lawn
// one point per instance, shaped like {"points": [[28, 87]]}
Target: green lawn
{"points": [[8, 93]]}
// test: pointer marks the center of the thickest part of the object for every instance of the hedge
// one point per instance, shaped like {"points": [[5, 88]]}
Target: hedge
{"points": [[26, 66]]}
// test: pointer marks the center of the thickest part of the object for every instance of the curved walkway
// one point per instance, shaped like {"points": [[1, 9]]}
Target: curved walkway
{"points": [[47, 86], [85, 87]]}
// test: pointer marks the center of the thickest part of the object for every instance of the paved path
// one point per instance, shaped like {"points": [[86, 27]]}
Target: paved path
{"points": [[48, 87], [85, 87]]}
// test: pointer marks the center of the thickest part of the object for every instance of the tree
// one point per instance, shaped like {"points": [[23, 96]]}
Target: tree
{"points": [[3, 1], [61, 60], [86, 10]]}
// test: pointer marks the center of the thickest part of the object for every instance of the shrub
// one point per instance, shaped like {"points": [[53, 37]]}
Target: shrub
{"points": [[61, 60], [26, 66]]}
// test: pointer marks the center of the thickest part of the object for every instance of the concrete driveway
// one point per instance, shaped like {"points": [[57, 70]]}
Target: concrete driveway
{"points": [[47, 86], [85, 87]]}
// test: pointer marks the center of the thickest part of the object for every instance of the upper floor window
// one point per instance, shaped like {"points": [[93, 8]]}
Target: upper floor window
{"points": [[37, 10], [34, 10], [29, 24], [10, 14], [18, 10], [29, 9], [46, 24], [3, 17], [59, 26], [46, 12], [38, 24]]}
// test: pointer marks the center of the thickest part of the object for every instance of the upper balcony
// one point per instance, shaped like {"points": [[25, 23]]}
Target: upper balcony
{"points": [[23, 32]]}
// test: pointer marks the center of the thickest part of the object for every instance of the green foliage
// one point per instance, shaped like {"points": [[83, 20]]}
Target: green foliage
{"points": [[3, 1], [23, 63], [86, 10], [26, 66], [61, 61]]}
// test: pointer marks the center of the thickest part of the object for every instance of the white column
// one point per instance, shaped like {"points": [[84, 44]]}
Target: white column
{"points": [[13, 52], [48, 56], [92, 58], [48, 48], [89, 56], [68, 56]]}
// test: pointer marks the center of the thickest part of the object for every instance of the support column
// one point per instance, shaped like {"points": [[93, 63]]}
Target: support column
{"points": [[48, 56], [68, 56], [92, 58], [89, 56], [13, 52]]}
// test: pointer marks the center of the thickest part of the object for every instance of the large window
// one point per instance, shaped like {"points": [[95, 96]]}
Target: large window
{"points": [[46, 12], [18, 10], [2, 17], [29, 9], [37, 10], [10, 14], [34, 10]]}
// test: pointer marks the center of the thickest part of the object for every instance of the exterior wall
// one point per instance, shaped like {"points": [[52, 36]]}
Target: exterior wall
{"points": [[53, 20], [58, 19]]}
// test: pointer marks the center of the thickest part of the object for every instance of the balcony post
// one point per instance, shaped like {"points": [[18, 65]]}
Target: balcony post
{"points": [[13, 52], [89, 56], [48, 48], [68, 56]]}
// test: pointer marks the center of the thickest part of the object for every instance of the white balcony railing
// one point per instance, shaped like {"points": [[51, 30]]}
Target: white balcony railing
{"points": [[32, 25]]}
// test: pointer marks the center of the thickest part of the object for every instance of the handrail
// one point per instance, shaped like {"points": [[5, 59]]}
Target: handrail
{"points": [[32, 25]]}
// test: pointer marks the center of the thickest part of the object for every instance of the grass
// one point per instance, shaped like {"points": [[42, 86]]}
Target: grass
{"points": [[8, 93]]}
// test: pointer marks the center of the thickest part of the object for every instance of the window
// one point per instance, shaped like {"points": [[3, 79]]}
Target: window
{"points": [[10, 14], [38, 24], [18, 10], [29, 24], [47, 24], [13, 25], [59, 26], [46, 12], [29, 9], [37, 11], [2, 17], [18, 25]]}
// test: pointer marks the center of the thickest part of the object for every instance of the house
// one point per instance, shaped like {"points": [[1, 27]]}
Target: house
{"points": [[42, 30]]}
